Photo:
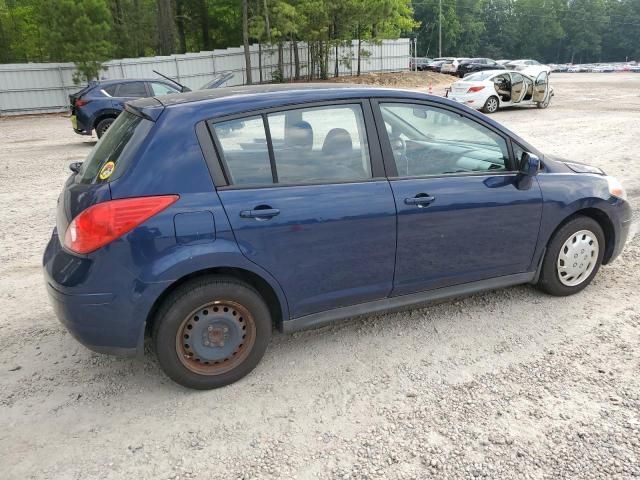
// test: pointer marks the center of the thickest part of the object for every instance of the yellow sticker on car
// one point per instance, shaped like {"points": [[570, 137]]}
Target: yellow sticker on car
{"points": [[106, 170]]}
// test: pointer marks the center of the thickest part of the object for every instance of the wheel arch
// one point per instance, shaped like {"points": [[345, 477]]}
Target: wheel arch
{"points": [[263, 287], [103, 115], [603, 220]]}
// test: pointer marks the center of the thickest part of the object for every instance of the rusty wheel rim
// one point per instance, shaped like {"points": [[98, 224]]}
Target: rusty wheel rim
{"points": [[216, 337]]}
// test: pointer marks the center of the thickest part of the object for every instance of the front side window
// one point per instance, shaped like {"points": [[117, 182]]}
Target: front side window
{"points": [[162, 89], [320, 144], [433, 141], [245, 150]]}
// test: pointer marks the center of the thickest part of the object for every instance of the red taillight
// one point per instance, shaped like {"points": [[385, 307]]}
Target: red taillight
{"points": [[104, 222], [80, 103], [475, 89]]}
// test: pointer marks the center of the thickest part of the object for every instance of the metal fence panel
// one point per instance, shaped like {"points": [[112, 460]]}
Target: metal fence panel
{"points": [[45, 87]]}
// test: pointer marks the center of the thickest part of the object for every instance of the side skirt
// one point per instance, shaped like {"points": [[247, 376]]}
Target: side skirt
{"points": [[391, 303]]}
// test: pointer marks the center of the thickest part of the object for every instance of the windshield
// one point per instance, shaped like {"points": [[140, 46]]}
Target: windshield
{"points": [[107, 159]]}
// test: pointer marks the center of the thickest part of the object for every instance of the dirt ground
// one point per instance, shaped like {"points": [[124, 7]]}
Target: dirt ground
{"points": [[506, 384]]}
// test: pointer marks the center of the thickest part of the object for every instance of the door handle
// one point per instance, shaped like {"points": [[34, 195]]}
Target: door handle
{"points": [[261, 213], [421, 200]]}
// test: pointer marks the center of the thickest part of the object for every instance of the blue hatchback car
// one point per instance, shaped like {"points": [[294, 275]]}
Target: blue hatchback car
{"points": [[208, 219]]}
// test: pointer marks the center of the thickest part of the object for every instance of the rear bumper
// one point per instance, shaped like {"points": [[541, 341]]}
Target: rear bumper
{"points": [[87, 316], [103, 307]]}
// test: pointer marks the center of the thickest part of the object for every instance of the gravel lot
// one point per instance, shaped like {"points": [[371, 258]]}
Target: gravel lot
{"points": [[507, 384]]}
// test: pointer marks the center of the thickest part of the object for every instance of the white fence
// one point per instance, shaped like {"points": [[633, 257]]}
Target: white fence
{"points": [[45, 87]]}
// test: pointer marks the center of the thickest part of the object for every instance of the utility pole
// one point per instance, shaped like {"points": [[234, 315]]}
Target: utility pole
{"points": [[440, 28]]}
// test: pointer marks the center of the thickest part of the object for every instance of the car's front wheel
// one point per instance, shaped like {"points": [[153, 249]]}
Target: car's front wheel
{"points": [[573, 257], [211, 332], [544, 104], [491, 105]]}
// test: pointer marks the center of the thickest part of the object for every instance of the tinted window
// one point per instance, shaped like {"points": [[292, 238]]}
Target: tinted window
{"points": [[433, 141], [245, 151], [117, 145], [111, 90], [321, 144], [162, 89], [132, 89]]}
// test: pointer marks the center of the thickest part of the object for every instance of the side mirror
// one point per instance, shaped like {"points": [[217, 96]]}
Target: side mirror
{"points": [[529, 168]]}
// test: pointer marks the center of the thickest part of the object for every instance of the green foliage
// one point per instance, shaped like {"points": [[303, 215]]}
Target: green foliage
{"points": [[88, 32]]}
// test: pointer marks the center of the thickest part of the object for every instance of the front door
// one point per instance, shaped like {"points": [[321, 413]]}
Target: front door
{"points": [[461, 217], [541, 87], [309, 203]]}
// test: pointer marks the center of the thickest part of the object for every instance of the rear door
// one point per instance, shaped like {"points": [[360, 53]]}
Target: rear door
{"points": [[308, 201], [461, 217], [518, 87]]}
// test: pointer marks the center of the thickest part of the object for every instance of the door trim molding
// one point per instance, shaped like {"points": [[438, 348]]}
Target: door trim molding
{"points": [[391, 303]]}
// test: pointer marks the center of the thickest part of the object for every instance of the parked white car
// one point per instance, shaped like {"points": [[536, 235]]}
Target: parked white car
{"points": [[493, 89], [527, 65], [451, 66]]}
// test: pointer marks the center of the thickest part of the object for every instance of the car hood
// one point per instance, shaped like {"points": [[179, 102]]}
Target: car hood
{"points": [[572, 166]]}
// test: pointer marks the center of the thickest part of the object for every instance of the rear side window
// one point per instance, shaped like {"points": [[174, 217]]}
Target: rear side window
{"points": [[111, 90], [244, 145], [110, 156], [325, 144], [132, 89]]}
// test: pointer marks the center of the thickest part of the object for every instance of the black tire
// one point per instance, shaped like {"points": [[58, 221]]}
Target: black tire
{"points": [[549, 280], [545, 104], [194, 299], [103, 126], [491, 105]]}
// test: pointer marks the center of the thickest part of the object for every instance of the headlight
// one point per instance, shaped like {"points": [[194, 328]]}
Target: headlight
{"points": [[615, 188]]}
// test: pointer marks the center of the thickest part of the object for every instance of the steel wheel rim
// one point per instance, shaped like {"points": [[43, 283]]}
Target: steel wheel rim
{"points": [[577, 258], [104, 129], [216, 337], [492, 105]]}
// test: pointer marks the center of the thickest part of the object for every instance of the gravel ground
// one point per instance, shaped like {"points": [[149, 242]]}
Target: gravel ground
{"points": [[506, 384]]}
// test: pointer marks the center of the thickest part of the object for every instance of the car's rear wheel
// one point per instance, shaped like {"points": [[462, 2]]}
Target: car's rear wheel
{"points": [[491, 105], [103, 126], [211, 332], [573, 257]]}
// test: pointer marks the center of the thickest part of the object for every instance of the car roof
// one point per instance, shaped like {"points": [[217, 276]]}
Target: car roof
{"points": [[276, 95], [127, 80]]}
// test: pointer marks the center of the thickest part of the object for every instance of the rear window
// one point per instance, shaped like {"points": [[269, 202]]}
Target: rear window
{"points": [[110, 156]]}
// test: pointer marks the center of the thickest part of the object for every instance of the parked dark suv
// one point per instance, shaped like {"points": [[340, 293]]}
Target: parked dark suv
{"points": [[207, 219], [96, 106]]}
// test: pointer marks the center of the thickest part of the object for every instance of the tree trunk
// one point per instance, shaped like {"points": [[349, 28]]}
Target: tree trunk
{"points": [[166, 28], [296, 60], [204, 25], [280, 60], [359, 50], [182, 38], [267, 27], [260, 60], [245, 39]]}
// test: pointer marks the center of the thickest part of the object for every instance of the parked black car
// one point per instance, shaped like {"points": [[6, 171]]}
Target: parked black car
{"points": [[436, 64], [477, 64], [419, 63]]}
